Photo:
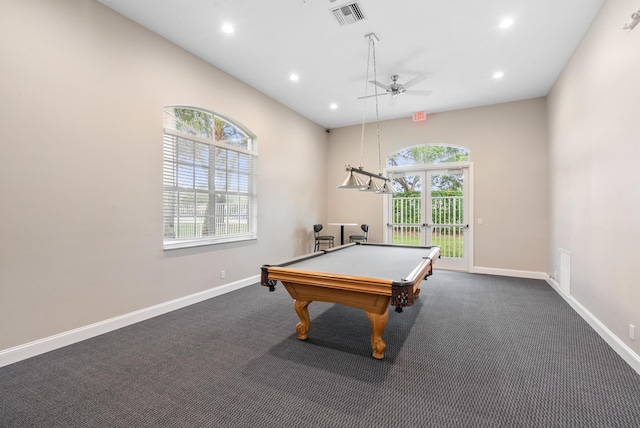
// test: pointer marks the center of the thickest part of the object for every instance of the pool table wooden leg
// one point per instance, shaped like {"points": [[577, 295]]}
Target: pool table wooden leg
{"points": [[302, 328], [378, 323]]}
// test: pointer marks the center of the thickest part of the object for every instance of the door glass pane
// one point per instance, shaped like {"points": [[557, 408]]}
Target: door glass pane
{"points": [[447, 214], [407, 216]]}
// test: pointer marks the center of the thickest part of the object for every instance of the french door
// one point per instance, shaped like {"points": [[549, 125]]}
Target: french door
{"points": [[432, 208]]}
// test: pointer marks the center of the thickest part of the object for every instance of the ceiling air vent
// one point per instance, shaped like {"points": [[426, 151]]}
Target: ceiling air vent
{"points": [[348, 14]]}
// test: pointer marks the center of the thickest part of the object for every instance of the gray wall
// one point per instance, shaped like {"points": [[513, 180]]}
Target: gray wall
{"points": [[594, 164], [508, 144], [82, 91]]}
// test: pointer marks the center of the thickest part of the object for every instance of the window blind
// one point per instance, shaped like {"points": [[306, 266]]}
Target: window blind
{"points": [[209, 190]]}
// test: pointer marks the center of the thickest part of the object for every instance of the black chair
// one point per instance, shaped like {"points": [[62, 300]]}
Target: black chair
{"points": [[361, 238], [321, 239]]}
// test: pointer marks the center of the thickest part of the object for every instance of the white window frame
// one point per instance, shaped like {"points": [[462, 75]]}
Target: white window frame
{"points": [[224, 177]]}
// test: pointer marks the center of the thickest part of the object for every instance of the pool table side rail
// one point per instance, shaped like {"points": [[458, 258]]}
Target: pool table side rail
{"points": [[402, 292], [264, 275], [331, 280]]}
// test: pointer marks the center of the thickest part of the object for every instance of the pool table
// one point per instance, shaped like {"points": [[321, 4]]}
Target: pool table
{"points": [[367, 276]]}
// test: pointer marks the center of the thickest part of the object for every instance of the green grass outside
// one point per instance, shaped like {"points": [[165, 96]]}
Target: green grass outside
{"points": [[449, 246]]}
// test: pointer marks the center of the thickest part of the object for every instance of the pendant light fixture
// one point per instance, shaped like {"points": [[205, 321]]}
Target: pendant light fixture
{"points": [[376, 183]]}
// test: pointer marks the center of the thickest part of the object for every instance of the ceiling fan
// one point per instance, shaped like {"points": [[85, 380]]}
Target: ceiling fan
{"points": [[395, 88]]}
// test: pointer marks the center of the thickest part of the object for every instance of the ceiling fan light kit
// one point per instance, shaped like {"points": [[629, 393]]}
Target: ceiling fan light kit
{"points": [[395, 88]]}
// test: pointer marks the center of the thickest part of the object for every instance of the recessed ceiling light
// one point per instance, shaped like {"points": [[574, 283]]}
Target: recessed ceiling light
{"points": [[333, 106], [294, 77], [227, 28], [506, 23], [498, 75]]}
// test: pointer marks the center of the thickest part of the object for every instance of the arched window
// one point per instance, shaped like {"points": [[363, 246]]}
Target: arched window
{"points": [[209, 179], [427, 154]]}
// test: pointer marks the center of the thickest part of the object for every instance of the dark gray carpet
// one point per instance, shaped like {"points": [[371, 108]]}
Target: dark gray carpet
{"points": [[475, 351]]}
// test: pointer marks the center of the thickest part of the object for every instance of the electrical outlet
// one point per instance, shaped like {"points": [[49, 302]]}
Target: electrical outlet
{"points": [[632, 332], [222, 273]]}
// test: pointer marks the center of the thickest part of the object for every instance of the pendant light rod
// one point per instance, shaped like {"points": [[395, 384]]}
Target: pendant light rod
{"points": [[359, 170], [353, 181]]}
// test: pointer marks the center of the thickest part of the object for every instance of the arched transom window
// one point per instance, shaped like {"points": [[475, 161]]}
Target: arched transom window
{"points": [[427, 154]]}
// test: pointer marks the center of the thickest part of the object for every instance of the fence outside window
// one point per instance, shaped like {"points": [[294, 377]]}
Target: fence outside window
{"points": [[194, 220], [445, 210]]}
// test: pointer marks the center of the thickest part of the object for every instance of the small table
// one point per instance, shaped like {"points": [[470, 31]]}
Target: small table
{"points": [[361, 275], [342, 225]]}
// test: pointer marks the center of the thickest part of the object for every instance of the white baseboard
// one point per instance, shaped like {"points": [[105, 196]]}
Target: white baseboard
{"points": [[37, 347], [612, 340], [509, 272]]}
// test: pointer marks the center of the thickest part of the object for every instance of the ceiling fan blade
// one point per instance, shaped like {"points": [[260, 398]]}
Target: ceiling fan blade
{"points": [[382, 85], [415, 80], [374, 95], [418, 92]]}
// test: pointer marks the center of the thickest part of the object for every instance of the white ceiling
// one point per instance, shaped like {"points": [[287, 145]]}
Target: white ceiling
{"points": [[458, 43]]}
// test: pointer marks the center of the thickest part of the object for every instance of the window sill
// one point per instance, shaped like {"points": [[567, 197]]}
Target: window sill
{"points": [[186, 243]]}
